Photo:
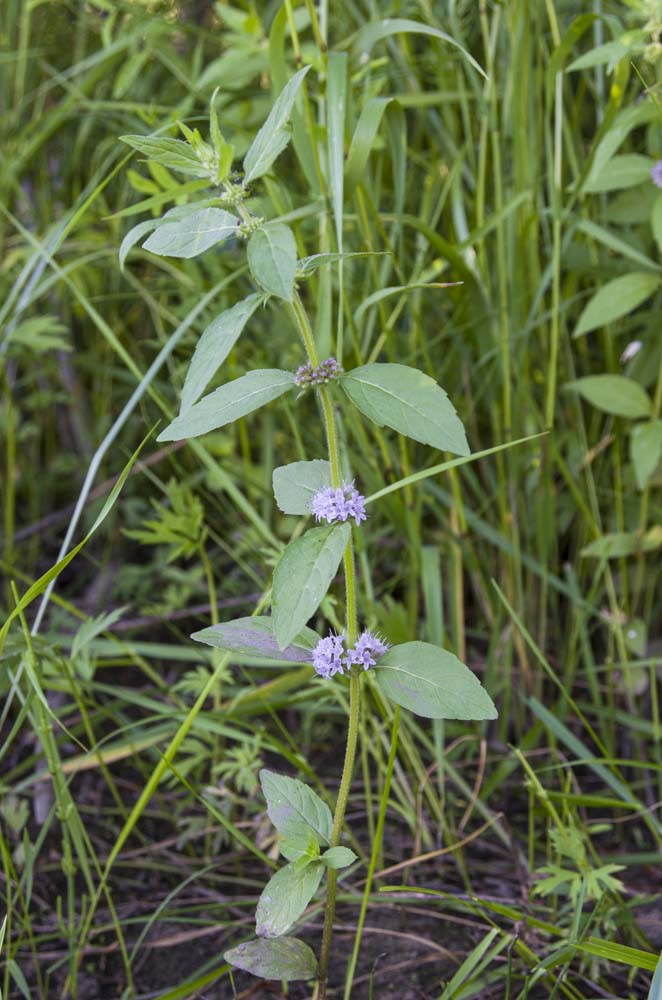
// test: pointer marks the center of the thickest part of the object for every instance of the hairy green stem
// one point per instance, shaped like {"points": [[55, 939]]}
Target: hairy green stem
{"points": [[338, 819], [306, 332]]}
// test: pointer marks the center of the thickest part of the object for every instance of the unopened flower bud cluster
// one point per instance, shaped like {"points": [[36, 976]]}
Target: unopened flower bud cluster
{"points": [[322, 374]]}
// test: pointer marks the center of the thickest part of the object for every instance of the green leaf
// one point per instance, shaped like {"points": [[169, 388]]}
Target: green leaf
{"points": [[611, 951], [224, 151], [431, 682], [229, 402], [272, 259], [214, 346], [172, 153], [409, 402], [646, 450], [302, 577], [338, 857], [287, 959], [134, 235], [656, 221], [615, 394], [308, 265], [192, 236], [274, 135], [615, 299], [294, 850], [619, 544], [610, 53], [295, 809], [255, 637], [373, 32], [622, 171], [285, 896], [296, 484]]}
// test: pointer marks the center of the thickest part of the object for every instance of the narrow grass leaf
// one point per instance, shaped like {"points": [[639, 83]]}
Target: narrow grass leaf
{"points": [[287, 959], [367, 37], [302, 577], [408, 401], [229, 402], [296, 484], [433, 683], [614, 952], [214, 346]]}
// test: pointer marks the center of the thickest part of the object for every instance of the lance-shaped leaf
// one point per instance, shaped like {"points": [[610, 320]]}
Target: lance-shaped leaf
{"points": [[308, 265], [172, 153], [229, 402], [302, 577], [408, 401], [287, 959], [214, 346], [136, 233], [296, 484], [615, 299], [615, 394], [255, 637], [274, 135], [295, 809], [431, 682], [193, 235], [285, 896], [272, 259]]}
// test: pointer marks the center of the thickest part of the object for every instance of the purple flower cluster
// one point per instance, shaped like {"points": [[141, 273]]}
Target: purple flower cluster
{"points": [[656, 174], [329, 655], [324, 373], [339, 504]]}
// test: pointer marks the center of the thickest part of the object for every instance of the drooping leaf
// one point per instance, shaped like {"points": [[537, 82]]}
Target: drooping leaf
{"points": [[408, 401], [287, 959], [295, 809], [618, 544], [308, 265], [285, 896], [296, 484], [193, 235], [615, 394], [134, 235], [172, 153], [431, 682], [338, 857], [214, 346], [374, 31], [229, 402], [302, 577], [255, 637], [272, 259], [274, 135], [615, 299], [646, 450]]}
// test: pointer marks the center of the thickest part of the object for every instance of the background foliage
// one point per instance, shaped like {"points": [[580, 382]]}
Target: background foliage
{"points": [[134, 866]]}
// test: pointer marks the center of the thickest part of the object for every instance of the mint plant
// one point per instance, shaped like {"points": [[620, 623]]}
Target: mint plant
{"points": [[421, 677]]}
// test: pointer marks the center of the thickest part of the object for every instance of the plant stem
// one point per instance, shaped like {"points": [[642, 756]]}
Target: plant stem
{"points": [[306, 332], [338, 818]]}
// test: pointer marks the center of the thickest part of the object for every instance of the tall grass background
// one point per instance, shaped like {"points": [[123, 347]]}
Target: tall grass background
{"points": [[133, 835]]}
